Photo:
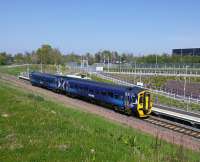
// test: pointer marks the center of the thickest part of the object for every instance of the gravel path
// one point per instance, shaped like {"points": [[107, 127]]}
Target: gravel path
{"points": [[165, 134]]}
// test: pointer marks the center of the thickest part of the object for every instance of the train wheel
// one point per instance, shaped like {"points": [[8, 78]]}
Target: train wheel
{"points": [[116, 108], [128, 111], [137, 114]]}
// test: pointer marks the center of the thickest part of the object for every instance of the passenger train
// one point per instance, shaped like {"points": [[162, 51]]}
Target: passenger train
{"points": [[130, 100]]}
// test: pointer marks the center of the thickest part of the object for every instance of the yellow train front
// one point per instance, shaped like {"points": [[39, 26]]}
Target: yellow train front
{"points": [[144, 106], [138, 101]]}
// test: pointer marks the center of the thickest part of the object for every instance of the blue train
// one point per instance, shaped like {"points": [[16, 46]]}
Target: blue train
{"points": [[130, 100]]}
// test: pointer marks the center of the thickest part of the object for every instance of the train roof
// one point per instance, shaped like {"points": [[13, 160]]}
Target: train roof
{"points": [[116, 87], [108, 85], [43, 74]]}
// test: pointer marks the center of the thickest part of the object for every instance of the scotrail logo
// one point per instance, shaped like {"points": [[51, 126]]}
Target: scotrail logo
{"points": [[62, 84]]}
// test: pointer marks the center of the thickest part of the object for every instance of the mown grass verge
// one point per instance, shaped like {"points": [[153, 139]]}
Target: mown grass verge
{"points": [[17, 70], [52, 69], [35, 129], [98, 79], [175, 103], [33, 67]]}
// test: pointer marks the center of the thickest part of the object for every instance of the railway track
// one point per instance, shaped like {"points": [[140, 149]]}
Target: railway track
{"points": [[195, 133], [176, 127]]}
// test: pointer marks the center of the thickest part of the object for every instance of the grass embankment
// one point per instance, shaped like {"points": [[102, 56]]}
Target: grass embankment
{"points": [[52, 69], [17, 70], [175, 103], [98, 79], [35, 67], [34, 129]]}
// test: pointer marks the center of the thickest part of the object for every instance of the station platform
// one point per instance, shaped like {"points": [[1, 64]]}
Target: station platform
{"points": [[23, 77], [183, 115]]}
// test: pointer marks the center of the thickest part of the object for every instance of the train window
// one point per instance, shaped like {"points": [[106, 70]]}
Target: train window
{"points": [[110, 94], [141, 100], [91, 91], [129, 99], [133, 99], [103, 93], [97, 92], [116, 96]]}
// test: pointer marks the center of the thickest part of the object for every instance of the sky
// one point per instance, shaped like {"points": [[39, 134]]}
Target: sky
{"points": [[135, 26]]}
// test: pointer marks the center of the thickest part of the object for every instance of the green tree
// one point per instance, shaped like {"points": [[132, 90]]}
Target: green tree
{"points": [[56, 56], [97, 57], [19, 58], [44, 54], [3, 58]]}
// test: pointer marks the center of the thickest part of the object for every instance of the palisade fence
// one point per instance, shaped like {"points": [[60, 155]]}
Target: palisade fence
{"points": [[174, 96], [153, 65], [159, 92], [122, 81]]}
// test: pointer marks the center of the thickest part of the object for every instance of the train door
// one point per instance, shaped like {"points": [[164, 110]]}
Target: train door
{"points": [[128, 103], [140, 102], [147, 102], [127, 100]]}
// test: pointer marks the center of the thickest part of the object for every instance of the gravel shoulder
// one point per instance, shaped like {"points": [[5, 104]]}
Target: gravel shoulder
{"points": [[139, 124]]}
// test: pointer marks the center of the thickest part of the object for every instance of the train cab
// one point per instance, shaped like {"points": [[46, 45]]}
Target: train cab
{"points": [[144, 106]]}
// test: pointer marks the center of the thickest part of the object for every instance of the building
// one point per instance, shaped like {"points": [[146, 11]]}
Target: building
{"points": [[186, 52]]}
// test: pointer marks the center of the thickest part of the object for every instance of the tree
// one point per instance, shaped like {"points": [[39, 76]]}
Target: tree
{"points": [[90, 58], [72, 57], [3, 58], [19, 58], [57, 56], [44, 54], [97, 57]]}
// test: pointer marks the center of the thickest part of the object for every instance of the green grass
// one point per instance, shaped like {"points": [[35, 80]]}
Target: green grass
{"points": [[98, 79], [52, 69], [16, 70], [35, 129], [174, 103], [36, 67]]}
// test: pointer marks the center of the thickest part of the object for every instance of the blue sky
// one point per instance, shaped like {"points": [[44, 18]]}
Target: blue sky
{"points": [[139, 27]]}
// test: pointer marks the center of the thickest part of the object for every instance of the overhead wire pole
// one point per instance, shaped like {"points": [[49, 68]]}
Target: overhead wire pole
{"points": [[120, 64], [184, 88], [108, 64], [28, 70], [156, 63], [135, 73], [41, 64]]}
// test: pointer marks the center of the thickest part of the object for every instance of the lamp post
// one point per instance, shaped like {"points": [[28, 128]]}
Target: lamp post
{"points": [[135, 73], [120, 64], [184, 88], [108, 64]]}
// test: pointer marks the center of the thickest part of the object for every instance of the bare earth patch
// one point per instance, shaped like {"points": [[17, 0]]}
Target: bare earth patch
{"points": [[4, 115]]}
